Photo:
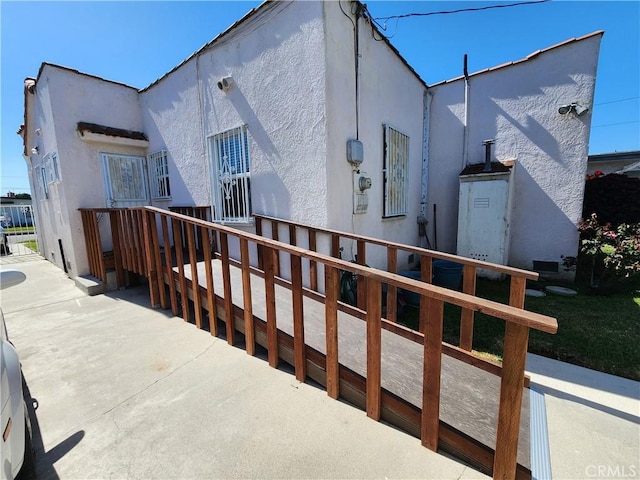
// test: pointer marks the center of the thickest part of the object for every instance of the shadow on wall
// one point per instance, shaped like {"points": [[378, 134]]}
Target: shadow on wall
{"points": [[540, 230], [269, 195], [535, 132]]}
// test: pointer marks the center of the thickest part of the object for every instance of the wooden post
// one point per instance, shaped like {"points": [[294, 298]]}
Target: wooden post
{"points": [[260, 250], [168, 262], [298, 319], [177, 237], [153, 225], [270, 304], [249, 329], [137, 243], [392, 290], [431, 376], [275, 251], [362, 281], [426, 275], [195, 284], [90, 243], [124, 228], [226, 283], [374, 349], [211, 299], [331, 282], [466, 315], [292, 235], [117, 252], [313, 265], [516, 339], [335, 245], [149, 248]]}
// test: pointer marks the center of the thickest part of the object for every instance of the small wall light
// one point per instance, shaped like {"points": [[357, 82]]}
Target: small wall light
{"points": [[225, 84], [35, 150], [576, 108]]}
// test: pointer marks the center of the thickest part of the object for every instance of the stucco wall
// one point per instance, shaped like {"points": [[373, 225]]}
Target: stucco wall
{"points": [[517, 105], [389, 93], [276, 61], [171, 116], [69, 98]]}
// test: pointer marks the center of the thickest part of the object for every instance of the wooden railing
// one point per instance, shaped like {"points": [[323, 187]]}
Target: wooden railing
{"points": [[152, 233], [392, 250]]}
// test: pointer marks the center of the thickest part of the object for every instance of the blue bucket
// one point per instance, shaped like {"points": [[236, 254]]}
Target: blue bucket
{"points": [[413, 299], [447, 274]]}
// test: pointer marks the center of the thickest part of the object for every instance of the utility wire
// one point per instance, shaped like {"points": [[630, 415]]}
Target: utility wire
{"points": [[619, 123], [616, 101], [472, 9]]}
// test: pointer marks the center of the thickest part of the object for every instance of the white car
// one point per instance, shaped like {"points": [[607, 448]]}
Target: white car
{"points": [[17, 449]]}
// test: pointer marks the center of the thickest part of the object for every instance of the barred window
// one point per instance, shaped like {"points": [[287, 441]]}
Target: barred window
{"points": [[395, 172], [52, 174], [229, 155], [126, 180], [159, 175], [41, 181]]}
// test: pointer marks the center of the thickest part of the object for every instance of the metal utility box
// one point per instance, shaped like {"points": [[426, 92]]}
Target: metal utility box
{"points": [[484, 211]]}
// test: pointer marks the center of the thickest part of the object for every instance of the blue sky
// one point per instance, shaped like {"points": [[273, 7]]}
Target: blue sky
{"points": [[137, 42]]}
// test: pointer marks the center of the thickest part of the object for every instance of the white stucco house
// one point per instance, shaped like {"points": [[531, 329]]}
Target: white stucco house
{"points": [[263, 119]]}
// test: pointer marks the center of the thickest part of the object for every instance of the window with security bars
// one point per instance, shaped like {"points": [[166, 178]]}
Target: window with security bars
{"points": [[126, 180], [52, 174], [395, 172], [159, 175], [41, 181], [229, 153]]}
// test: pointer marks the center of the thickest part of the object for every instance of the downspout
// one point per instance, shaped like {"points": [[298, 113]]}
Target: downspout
{"points": [[465, 138], [424, 181], [207, 168], [356, 51]]}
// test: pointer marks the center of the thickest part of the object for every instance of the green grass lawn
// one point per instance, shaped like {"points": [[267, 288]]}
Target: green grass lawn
{"points": [[598, 332], [32, 245], [19, 230]]}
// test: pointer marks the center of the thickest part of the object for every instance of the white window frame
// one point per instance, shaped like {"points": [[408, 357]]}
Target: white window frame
{"points": [[126, 182], [52, 173], [395, 173], [159, 184], [231, 176]]}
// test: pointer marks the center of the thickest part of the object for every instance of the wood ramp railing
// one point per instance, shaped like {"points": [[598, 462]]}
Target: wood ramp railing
{"points": [[144, 242]]}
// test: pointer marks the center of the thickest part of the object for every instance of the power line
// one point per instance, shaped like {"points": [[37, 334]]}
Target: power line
{"points": [[473, 9], [619, 123], [616, 101]]}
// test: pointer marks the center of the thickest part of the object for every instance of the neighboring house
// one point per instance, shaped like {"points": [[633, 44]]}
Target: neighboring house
{"points": [[262, 120], [615, 162]]}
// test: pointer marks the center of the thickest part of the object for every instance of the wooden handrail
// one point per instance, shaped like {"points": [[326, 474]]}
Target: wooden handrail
{"points": [[412, 249], [139, 239], [489, 307]]}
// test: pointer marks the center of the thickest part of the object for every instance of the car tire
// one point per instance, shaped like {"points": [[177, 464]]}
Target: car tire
{"points": [[28, 470]]}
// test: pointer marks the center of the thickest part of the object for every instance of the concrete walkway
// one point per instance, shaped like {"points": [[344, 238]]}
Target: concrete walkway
{"points": [[129, 392], [593, 420]]}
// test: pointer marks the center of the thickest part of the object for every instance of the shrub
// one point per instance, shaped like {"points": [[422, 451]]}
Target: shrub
{"points": [[614, 252]]}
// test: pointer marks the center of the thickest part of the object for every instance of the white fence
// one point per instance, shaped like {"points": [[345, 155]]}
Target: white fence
{"points": [[18, 230]]}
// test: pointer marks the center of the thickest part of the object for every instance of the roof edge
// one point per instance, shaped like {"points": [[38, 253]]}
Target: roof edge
{"points": [[78, 72], [525, 59], [215, 39]]}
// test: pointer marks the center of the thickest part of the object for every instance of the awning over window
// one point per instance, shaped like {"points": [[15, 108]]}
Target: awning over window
{"points": [[92, 132]]}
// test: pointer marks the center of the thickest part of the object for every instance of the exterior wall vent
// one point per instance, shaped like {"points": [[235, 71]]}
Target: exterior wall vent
{"points": [[547, 267]]}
